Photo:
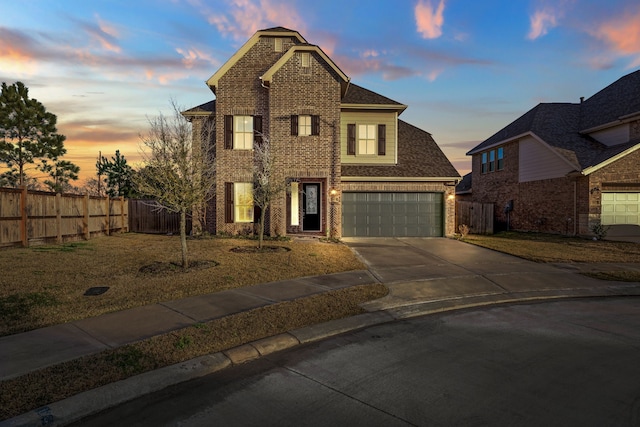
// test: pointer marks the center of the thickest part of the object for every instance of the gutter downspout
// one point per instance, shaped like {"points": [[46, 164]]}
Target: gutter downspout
{"points": [[575, 206]]}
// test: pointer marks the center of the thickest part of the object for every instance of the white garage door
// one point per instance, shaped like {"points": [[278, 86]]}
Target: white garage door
{"points": [[620, 208], [392, 214]]}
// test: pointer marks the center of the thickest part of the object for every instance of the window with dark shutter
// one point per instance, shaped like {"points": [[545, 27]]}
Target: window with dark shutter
{"points": [[228, 202], [228, 132], [315, 125], [351, 139], [294, 125], [257, 130], [382, 140]]}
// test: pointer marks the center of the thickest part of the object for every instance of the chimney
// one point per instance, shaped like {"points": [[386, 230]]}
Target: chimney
{"points": [[581, 99]]}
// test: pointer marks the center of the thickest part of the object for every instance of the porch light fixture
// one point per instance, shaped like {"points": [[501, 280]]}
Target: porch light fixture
{"points": [[333, 192]]}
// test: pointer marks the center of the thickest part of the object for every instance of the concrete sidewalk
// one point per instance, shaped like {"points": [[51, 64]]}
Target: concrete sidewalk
{"points": [[40, 348], [423, 275]]}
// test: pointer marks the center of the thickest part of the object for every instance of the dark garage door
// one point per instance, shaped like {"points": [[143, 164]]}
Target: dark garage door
{"points": [[392, 214]]}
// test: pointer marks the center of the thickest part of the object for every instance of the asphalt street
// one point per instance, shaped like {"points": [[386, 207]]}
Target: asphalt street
{"points": [[571, 362]]}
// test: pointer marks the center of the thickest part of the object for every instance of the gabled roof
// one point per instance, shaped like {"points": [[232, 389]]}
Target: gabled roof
{"points": [[358, 97], [560, 125], [212, 81], [419, 158], [268, 75]]}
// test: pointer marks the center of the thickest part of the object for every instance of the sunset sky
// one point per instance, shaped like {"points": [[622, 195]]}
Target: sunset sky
{"points": [[465, 68]]}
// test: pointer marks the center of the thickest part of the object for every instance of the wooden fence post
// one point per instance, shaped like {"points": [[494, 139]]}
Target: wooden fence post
{"points": [[85, 223], [122, 230], [24, 217], [59, 217], [108, 225]]}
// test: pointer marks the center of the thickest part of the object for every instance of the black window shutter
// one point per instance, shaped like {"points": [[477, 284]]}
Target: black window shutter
{"points": [[294, 125], [351, 138], [382, 140], [315, 125], [257, 211], [228, 132], [257, 130], [228, 202]]}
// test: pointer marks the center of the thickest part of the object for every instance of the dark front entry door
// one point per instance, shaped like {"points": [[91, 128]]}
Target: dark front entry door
{"points": [[311, 207]]}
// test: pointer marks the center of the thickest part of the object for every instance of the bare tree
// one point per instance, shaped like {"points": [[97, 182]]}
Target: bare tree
{"points": [[177, 174], [265, 186]]}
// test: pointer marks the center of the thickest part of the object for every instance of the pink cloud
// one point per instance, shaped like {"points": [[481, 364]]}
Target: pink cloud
{"points": [[541, 21], [429, 21], [622, 34], [245, 17]]}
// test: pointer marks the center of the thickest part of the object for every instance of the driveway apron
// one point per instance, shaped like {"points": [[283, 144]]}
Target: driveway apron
{"points": [[439, 269]]}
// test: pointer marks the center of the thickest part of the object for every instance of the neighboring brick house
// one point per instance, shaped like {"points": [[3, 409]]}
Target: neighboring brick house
{"points": [[351, 166], [565, 167]]}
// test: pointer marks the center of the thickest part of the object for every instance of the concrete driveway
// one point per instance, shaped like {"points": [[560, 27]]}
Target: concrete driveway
{"points": [[440, 272]]}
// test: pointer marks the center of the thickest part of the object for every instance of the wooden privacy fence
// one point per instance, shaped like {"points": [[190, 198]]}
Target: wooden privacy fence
{"points": [[28, 217], [478, 216], [145, 217]]}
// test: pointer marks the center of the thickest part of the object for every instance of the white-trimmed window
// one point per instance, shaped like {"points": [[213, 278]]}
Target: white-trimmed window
{"points": [[500, 164], [243, 132], [366, 139], [243, 202], [305, 59], [277, 44], [304, 125]]}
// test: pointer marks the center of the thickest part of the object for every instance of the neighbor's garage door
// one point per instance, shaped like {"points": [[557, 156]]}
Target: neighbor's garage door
{"points": [[620, 208], [392, 214]]}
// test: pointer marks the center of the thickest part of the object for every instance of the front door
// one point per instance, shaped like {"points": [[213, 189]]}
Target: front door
{"points": [[311, 207]]}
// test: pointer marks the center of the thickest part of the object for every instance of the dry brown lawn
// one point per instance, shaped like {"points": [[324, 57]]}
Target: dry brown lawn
{"points": [[560, 249], [555, 248], [45, 285]]}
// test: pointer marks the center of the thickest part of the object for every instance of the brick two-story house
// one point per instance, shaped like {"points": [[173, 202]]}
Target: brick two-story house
{"points": [[352, 167], [565, 167]]}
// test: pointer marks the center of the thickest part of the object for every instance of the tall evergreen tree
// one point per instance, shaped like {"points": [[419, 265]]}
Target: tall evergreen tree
{"points": [[27, 131]]}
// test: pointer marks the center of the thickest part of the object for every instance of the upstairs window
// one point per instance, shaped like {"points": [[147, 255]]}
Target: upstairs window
{"points": [[366, 139], [277, 44], [305, 59], [492, 161], [305, 125], [242, 132]]}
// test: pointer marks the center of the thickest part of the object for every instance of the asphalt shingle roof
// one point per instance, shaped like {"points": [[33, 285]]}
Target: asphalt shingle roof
{"points": [[359, 95], [560, 124], [207, 107], [418, 156], [616, 100]]}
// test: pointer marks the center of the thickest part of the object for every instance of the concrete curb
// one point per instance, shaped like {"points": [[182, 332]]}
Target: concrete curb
{"points": [[93, 401]]}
